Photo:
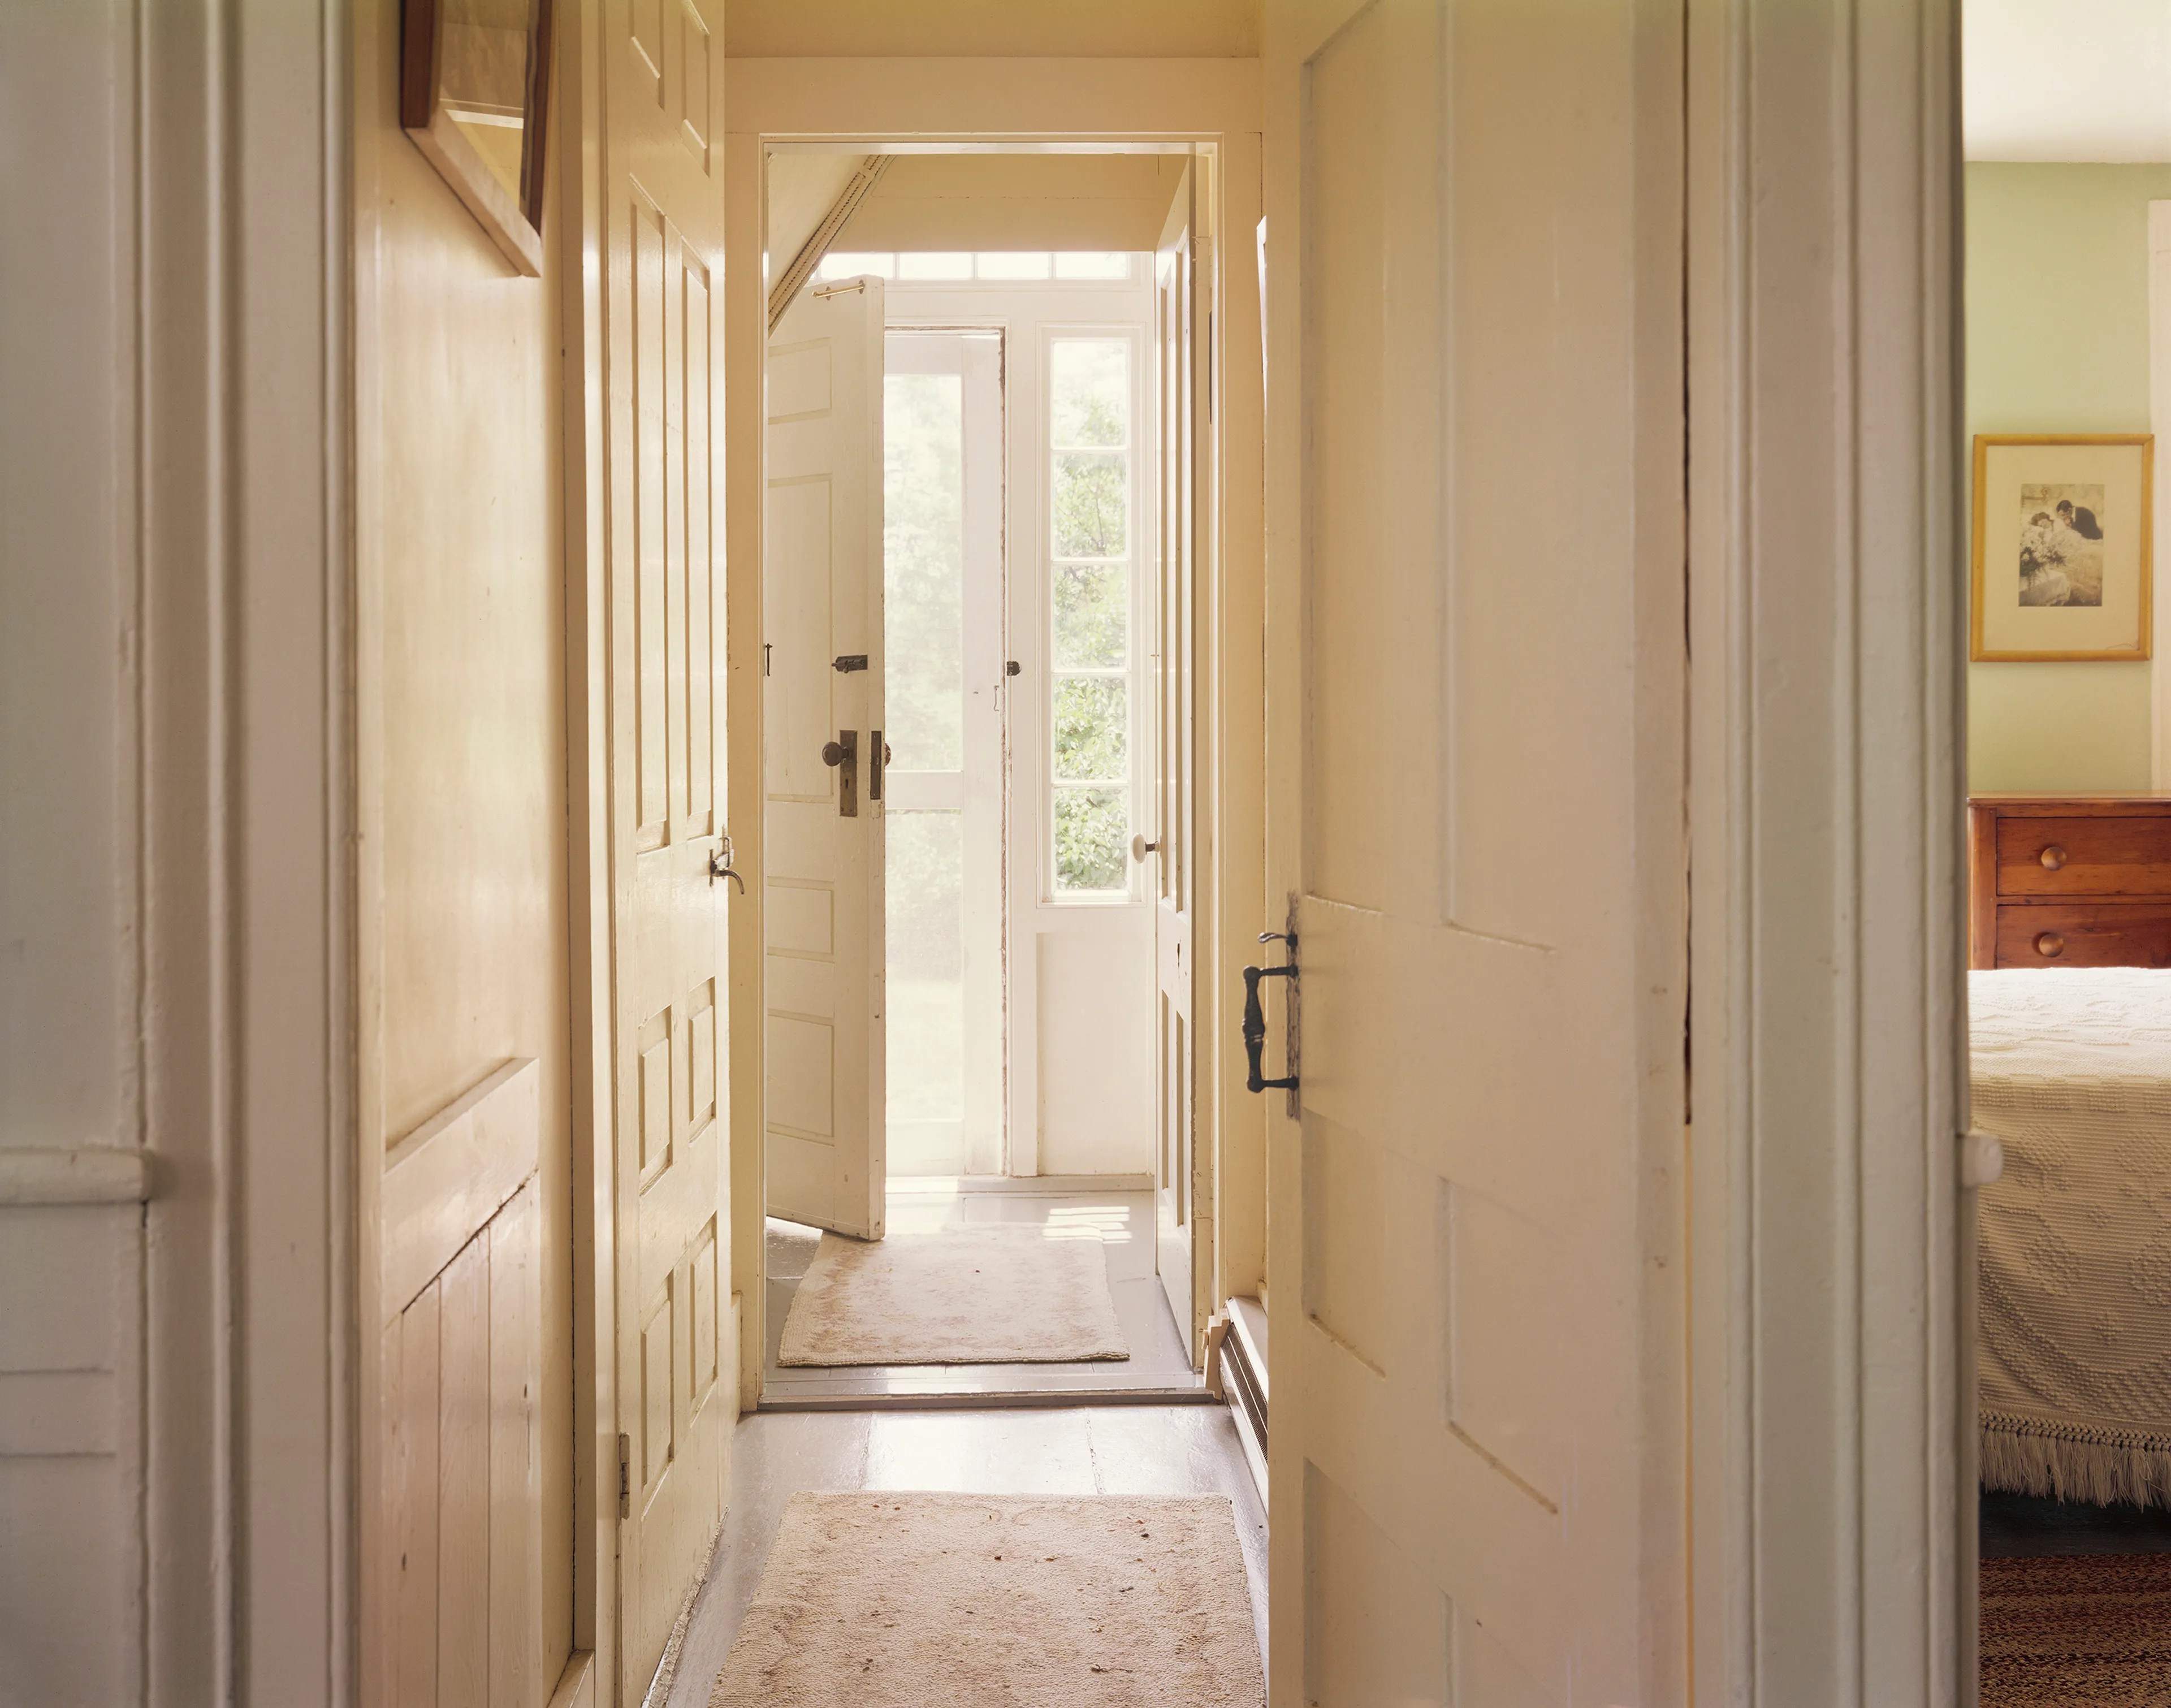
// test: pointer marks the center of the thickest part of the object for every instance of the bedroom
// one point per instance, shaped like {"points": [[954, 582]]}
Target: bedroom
{"points": [[2068, 379]]}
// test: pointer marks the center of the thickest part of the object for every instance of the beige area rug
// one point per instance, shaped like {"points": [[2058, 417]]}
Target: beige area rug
{"points": [[2069, 1630], [994, 1295], [940, 1601]]}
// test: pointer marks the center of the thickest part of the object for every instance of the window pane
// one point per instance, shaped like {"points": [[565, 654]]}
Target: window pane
{"points": [[1092, 828], [1002, 265], [1083, 264], [923, 568], [1089, 390], [1092, 502], [1092, 615], [934, 266], [841, 265], [927, 971], [1091, 729]]}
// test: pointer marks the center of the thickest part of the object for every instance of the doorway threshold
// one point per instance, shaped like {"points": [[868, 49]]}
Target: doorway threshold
{"points": [[993, 1400], [1053, 1185]]}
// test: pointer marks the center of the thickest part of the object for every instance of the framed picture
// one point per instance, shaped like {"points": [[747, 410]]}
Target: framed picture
{"points": [[2062, 535], [475, 75]]}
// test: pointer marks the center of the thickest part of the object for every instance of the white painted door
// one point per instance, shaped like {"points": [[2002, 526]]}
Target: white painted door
{"points": [[662, 159], [1475, 654], [823, 762], [942, 816], [1165, 846]]}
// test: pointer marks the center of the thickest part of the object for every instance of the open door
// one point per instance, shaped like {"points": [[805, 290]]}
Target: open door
{"points": [[1476, 678], [1167, 848], [824, 760], [662, 156]]}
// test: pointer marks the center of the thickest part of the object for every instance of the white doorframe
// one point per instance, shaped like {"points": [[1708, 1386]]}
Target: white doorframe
{"points": [[2159, 423], [990, 104], [202, 292], [1832, 1416]]}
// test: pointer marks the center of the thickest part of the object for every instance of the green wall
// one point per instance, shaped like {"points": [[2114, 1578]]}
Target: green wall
{"points": [[2057, 342]]}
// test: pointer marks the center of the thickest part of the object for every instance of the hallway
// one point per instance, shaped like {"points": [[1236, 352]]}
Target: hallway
{"points": [[1103, 1450], [444, 873]]}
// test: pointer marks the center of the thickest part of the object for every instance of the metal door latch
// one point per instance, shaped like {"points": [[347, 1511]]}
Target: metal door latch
{"points": [[719, 864], [845, 663], [843, 754], [1255, 1018]]}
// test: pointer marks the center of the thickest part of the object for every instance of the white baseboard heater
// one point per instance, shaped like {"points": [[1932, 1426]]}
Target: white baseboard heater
{"points": [[1241, 1367]]}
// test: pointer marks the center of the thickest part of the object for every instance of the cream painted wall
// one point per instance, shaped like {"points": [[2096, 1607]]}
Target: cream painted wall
{"points": [[461, 651], [71, 1064], [995, 28], [2057, 342]]}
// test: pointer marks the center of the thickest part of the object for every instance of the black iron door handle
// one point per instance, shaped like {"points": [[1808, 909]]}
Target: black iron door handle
{"points": [[1255, 1018], [843, 754]]}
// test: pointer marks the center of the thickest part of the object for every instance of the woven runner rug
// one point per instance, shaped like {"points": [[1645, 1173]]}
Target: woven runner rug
{"points": [[986, 1295], [2068, 1629], [1027, 1601]]}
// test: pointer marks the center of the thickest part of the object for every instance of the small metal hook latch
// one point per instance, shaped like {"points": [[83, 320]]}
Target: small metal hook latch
{"points": [[719, 865]]}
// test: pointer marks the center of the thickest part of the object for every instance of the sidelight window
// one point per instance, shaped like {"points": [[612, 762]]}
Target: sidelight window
{"points": [[1091, 474]]}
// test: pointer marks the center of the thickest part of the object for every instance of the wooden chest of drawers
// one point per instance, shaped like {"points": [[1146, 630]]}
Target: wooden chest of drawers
{"points": [[2060, 880]]}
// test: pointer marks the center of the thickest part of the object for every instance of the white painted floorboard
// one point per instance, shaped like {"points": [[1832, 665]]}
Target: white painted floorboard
{"points": [[1109, 1449]]}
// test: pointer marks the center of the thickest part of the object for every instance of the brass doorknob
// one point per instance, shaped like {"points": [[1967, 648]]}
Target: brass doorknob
{"points": [[2049, 945], [833, 753], [2052, 857]]}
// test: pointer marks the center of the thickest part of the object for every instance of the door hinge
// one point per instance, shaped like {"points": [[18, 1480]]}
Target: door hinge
{"points": [[625, 1476]]}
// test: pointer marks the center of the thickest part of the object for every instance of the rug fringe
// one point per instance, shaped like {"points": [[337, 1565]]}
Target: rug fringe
{"points": [[2100, 1473]]}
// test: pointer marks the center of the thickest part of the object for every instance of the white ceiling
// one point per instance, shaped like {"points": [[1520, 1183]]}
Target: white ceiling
{"points": [[2067, 79]]}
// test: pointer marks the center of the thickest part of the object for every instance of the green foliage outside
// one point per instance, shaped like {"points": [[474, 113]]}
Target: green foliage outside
{"points": [[1092, 827], [1091, 736], [1090, 384], [1090, 407], [1093, 616], [923, 568], [1092, 504]]}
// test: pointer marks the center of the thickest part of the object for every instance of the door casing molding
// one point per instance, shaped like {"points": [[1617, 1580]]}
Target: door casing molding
{"points": [[992, 104], [1831, 1428], [233, 125]]}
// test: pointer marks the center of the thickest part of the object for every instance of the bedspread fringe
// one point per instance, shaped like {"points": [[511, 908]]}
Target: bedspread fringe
{"points": [[2025, 1461]]}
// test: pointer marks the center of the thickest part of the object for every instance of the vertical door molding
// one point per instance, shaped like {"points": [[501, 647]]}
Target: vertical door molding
{"points": [[576, 137], [240, 405], [1831, 1425]]}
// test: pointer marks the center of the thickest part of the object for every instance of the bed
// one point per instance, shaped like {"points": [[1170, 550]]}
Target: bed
{"points": [[2071, 1070]]}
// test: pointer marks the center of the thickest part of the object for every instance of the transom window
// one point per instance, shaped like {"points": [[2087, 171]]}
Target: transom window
{"points": [[1004, 266]]}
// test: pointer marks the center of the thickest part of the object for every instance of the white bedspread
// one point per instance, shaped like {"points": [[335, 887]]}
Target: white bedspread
{"points": [[2071, 1069]]}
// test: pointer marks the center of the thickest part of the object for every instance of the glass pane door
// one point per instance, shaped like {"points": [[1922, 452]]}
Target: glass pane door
{"points": [[942, 520]]}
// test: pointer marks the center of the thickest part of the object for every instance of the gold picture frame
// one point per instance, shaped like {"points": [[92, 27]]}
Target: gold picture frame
{"points": [[474, 84], [2064, 528]]}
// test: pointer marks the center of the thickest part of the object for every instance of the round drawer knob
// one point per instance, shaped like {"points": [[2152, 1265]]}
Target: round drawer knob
{"points": [[2049, 945], [2053, 857]]}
